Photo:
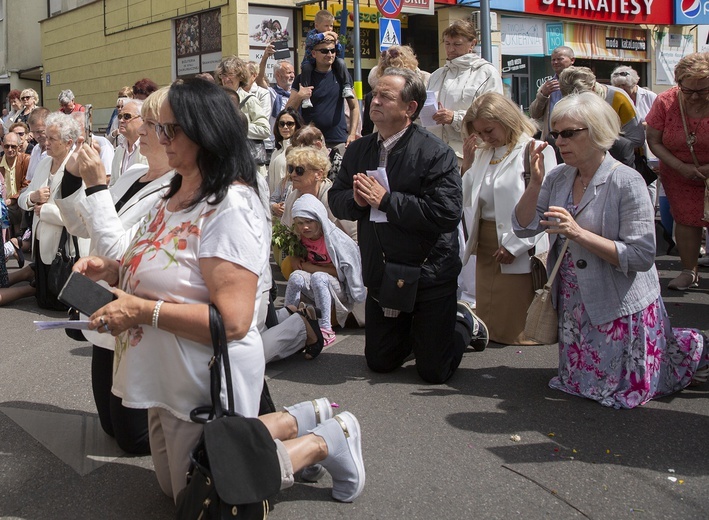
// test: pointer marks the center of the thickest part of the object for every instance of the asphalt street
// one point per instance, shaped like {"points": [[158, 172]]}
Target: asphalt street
{"points": [[494, 443]]}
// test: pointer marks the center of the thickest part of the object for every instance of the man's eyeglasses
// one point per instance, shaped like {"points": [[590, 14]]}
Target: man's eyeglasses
{"points": [[566, 134], [283, 124], [10, 146], [330, 50], [126, 116], [689, 91], [167, 130], [299, 170]]}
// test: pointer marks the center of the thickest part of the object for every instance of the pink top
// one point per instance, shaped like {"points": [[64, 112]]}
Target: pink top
{"points": [[317, 251]]}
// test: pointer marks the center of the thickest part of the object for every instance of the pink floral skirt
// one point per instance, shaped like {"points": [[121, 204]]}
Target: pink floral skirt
{"points": [[626, 362]]}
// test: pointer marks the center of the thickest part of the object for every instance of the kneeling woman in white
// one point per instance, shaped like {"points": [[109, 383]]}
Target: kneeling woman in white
{"points": [[492, 186]]}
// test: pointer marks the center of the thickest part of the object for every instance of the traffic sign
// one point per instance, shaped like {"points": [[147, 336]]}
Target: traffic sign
{"points": [[389, 33], [389, 8]]}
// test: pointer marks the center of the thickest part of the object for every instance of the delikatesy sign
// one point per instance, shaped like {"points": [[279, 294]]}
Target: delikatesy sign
{"points": [[691, 12], [615, 11]]}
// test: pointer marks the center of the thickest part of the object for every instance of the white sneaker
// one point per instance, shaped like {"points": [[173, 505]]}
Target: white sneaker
{"points": [[344, 462], [307, 103], [309, 414]]}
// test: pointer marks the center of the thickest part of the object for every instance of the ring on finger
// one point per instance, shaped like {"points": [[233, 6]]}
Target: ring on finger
{"points": [[105, 327], [103, 322]]}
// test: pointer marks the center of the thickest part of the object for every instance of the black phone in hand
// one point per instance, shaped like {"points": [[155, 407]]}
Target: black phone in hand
{"points": [[85, 295]]}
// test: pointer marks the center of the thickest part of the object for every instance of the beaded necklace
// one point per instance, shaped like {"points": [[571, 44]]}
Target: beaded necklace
{"points": [[498, 161]]}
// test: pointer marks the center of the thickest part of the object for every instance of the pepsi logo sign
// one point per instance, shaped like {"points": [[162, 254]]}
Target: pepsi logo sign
{"points": [[691, 8]]}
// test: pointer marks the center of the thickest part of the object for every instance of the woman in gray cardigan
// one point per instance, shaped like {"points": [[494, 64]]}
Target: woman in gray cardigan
{"points": [[616, 345]]}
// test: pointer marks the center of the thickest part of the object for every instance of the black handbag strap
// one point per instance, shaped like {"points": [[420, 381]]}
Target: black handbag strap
{"points": [[62, 249]]}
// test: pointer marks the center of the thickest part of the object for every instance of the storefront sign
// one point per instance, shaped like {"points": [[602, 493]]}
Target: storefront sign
{"points": [[555, 36], [703, 38], [522, 36], [615, 11], [417, 6], [691, 12], [669, 49], [606, 43], [368, 16]]}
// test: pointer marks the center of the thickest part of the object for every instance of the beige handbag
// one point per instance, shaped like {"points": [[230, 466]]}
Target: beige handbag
{"points": [[542, 323]]}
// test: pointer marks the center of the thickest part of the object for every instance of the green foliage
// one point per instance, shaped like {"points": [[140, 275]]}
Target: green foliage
{"points": [[285, 239]]}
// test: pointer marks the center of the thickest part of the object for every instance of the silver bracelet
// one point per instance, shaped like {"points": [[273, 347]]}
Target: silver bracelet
{"points": [[156, 313]]}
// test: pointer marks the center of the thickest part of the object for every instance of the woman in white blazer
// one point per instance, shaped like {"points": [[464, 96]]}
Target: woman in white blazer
{"points": [[62, 132], [110, 217], [497, 137], [616, 345]]}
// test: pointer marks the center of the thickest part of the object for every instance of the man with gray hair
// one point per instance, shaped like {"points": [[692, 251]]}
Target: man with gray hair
{"points": [[549, 93], [403, 186], [105, 148], [67, 104]]}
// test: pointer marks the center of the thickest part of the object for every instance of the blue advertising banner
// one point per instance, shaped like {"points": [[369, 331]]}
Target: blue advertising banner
{"points": [[691, 12]]}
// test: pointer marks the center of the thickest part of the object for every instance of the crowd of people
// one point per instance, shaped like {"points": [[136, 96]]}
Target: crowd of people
{"points": [[421, 234]]}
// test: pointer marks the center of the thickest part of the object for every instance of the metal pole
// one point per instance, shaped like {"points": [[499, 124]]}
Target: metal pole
{"points": [[357, 60], [485, 33]]}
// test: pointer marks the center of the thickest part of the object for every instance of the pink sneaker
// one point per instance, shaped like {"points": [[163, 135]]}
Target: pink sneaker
{"points": [[328, 336]]}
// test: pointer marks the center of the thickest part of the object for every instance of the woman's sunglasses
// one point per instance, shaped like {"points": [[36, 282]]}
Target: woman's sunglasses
{"points": [[566, 134], [299, 170], [283, 124], [166, 129]]}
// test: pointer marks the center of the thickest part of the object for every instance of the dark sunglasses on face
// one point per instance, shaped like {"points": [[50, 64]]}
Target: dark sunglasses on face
{"points": [[330, 50], [622, 73], [566, 134], [166, 129], [10, 146], [25, 98], [299, 170], [126, 116], [284, 124]]}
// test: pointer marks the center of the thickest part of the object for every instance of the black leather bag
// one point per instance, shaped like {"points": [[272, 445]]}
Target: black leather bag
{"points": [[63, 263], [399, 286], [234, 467], [642, 167]]}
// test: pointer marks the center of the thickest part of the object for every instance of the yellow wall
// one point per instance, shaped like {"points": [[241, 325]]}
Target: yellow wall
{"points": [[138, 43]]}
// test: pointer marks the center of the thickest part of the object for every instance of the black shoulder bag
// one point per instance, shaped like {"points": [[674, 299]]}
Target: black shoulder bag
{"points": [[235, 466]]}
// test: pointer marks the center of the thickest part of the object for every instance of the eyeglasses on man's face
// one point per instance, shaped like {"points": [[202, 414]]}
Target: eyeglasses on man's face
{"points": [[127, 116], [329, 50], [10, 146], [566, 134], [167, 130]]}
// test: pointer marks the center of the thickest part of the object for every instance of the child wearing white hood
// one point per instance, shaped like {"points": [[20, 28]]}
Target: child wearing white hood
{"points": [[331, 273]]}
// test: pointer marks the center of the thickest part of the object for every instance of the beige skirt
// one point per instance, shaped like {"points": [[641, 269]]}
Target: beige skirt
{"points": [[502, 299]]}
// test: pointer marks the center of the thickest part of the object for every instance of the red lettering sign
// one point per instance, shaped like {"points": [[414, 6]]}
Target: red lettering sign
{"points": [[616, 11]]}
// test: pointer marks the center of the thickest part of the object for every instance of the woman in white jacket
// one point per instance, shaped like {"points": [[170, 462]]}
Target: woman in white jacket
{"points": [[62, 132], [492, 186], [464, 77]]}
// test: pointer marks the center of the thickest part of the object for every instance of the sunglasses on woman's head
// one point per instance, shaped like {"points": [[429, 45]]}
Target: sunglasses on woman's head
{"points": [[299, 170], [566, 134], [283, 124]]}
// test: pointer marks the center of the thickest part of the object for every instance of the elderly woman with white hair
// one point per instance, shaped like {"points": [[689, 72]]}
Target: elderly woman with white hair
{"points": [[627, 78], [616, 345], [48, 225]]}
